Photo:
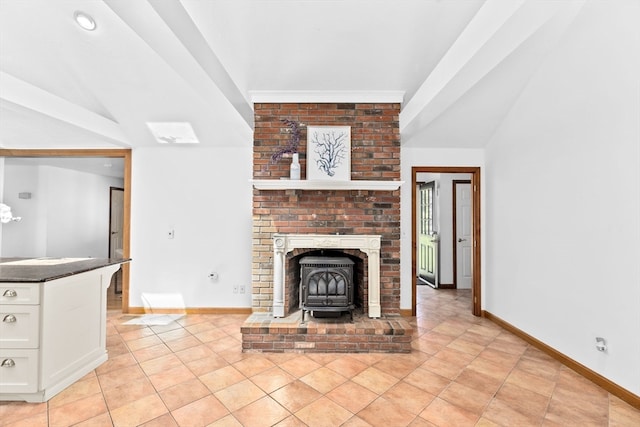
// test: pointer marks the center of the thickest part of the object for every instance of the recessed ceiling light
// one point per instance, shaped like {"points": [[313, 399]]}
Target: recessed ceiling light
{"points": [[85, 21]]}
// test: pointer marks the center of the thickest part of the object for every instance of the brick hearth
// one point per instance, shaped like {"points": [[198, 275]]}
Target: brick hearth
{"points": [[263, 333]]}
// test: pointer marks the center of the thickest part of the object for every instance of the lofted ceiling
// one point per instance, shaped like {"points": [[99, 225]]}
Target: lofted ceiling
{"points": [[457, 66]]}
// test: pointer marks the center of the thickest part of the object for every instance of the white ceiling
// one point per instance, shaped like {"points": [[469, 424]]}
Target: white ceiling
{"points": [[458, 65]]}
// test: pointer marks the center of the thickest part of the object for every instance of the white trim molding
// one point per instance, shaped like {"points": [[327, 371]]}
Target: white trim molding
{"points": [[323, 96], [304, 184]]}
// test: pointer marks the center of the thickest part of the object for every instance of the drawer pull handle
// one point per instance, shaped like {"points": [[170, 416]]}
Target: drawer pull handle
{"points": [[8, 363], [10, 293], [9, 318]]}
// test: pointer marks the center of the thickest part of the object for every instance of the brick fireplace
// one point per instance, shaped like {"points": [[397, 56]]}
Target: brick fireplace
{"points": [[351, 211], [375, 155]]}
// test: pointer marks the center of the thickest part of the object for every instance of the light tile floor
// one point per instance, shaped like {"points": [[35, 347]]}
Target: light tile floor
{"points": [[464, 371]]}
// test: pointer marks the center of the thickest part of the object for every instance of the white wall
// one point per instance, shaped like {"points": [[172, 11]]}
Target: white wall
{"points": [[205, 196], [410, 157], [563, 198], [77, 212], [66, 216], [21, 238]]}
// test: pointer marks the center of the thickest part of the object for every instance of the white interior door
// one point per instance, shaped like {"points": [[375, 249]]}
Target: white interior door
{"points": [[463, 236]]}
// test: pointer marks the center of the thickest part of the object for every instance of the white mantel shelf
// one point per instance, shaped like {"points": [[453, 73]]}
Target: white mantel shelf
{"points": [[303, 184]]}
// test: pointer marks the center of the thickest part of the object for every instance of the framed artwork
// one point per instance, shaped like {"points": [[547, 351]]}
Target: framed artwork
{"points": [[329, 153]]}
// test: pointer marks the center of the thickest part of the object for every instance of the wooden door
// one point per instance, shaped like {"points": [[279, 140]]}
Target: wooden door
{"points": [[116, 220]]}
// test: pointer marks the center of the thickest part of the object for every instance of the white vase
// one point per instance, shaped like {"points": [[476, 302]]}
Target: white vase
{"points": [[294, 169]]}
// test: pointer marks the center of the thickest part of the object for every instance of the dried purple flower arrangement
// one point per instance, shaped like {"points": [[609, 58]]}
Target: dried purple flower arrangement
{"points": [[294, 141]]}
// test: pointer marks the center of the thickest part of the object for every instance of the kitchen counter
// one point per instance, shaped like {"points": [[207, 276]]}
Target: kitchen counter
{"points": [[29, 270], [53, 320]]}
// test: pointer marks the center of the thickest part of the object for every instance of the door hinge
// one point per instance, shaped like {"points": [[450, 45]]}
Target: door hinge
{"points": [[475, 244], [475, 300], [475, 188]]}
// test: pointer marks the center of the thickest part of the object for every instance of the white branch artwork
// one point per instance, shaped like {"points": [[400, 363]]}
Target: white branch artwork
{"points": [[329, 152]]}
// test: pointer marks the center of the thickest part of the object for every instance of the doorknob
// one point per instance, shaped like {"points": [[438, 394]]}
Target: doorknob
{"points": [[461, 240]]}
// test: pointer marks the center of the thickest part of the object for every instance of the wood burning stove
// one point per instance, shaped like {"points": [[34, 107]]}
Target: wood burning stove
{"points": [[326, 285]]}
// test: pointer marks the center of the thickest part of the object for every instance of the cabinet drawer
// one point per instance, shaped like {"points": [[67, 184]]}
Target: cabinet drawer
{"points": [[18, 371], [19, 293], [19, 326]]}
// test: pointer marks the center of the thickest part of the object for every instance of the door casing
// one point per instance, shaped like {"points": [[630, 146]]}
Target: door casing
{"points": [[125, 154], [476, 295], [116, 204]]}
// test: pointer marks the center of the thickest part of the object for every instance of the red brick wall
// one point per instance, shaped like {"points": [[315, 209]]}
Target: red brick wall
{"points": [[375, 155]]}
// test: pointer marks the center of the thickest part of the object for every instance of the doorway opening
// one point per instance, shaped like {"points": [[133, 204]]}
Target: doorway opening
{"points": [[90, 154], [472, 246]]}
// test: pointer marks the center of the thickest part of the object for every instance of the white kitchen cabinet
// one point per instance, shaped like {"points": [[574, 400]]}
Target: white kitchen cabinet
{"points": [[52, 332]]}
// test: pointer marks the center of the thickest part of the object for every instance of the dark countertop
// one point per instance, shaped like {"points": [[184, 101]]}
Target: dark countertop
{"points": [[12, 271]]}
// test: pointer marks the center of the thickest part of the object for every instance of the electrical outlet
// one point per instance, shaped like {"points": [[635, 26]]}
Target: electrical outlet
{"points": [[241, 289], [235, 289]]}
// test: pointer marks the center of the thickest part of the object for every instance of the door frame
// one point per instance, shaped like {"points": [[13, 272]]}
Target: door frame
{"points": [[125, 154], [455, 228], [112, 191], [476, 288]]}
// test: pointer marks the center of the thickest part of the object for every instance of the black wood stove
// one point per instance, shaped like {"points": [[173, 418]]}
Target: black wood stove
{"points": [[326, 285]]}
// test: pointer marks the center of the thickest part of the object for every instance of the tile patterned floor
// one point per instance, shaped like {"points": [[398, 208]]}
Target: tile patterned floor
{"points": [[463, 371]]}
